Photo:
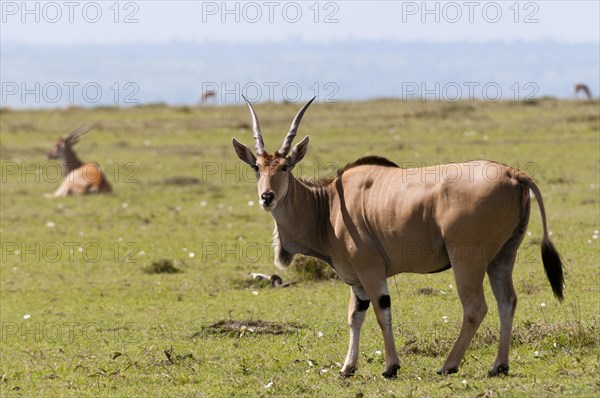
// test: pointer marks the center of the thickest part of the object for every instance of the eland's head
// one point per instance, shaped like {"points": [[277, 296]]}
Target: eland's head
{"points": [[64, 144], [273, 170]]}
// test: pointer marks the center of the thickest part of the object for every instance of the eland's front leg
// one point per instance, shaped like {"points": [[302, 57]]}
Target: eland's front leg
{"points": [[383, 311], [376, 287], [357, 309]]}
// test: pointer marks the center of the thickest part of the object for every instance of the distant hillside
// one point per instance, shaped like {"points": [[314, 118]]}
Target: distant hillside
{"points": [[178, 72]]}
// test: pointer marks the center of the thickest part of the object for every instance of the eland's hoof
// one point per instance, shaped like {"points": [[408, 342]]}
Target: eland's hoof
{"points": [[500, 370], [445, 372], [392, 372], [346, 373]]}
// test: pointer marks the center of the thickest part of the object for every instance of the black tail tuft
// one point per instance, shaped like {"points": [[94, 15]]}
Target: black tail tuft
{"points": [[553, 267]]}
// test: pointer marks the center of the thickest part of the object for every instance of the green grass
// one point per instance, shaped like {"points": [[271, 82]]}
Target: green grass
{"points": [[98, 325]]}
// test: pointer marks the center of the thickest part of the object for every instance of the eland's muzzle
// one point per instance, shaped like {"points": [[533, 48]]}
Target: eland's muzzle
{"points": [[267, 198]]}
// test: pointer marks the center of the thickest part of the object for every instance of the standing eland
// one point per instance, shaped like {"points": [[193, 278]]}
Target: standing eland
{"points": [[375, 220], [79, 178]]}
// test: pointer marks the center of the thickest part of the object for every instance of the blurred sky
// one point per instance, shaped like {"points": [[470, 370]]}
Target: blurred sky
{"points": [[366, 49], [159, 21]]}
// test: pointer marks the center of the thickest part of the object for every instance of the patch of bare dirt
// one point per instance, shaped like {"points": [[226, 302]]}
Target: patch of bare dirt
{"points": [[234, 328]]}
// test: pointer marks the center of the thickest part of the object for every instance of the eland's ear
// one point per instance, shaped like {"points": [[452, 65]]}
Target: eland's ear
{"points": [[299, 151], [244, 153]]}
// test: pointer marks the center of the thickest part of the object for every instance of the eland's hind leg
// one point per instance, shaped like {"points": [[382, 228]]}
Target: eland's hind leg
{"points": [[500, 274], [469, 284]]}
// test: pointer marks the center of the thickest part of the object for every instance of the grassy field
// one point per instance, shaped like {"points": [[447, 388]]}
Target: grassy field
{"points": [[83, 315]]}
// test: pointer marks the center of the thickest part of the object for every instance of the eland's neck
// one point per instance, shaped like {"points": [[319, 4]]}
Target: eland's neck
{"points": [[71, 161], [303, 218]]}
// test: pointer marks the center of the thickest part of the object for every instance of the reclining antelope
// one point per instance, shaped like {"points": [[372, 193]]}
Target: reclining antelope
{"points": [[79, 178], [375, 220]]}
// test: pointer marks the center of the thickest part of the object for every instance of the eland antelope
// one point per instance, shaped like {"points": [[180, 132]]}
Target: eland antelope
{"points": [[206, 95], [79, 178], [375, 220], [580, 87]]}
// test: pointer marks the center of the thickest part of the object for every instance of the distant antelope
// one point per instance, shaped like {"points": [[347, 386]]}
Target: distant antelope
{"points": [[375, 220], [585, 89], [208, 94], [79, 178]]}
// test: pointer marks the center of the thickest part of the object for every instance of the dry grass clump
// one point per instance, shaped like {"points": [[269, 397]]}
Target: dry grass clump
{"points": [[311, 269], [162, 266]]}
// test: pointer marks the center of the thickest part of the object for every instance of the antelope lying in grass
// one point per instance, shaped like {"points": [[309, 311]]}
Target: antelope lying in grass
{"points": [[79, 178], [375, 220]]}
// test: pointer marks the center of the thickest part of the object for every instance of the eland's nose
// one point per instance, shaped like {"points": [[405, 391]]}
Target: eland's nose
{"points": [[267, 197]]}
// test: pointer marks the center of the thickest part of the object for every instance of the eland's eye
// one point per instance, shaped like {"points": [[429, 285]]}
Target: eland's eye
{"points": [[254, 167], [285, 167]]}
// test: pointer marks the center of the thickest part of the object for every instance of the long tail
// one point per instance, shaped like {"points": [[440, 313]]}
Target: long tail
{"points": [[550, 256]]}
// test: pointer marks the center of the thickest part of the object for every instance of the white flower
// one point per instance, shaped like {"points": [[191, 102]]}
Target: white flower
{"points": [[594, 236], [203, 203], [26, 316], [124, 205], [450, 286], [50, 224], [254, 292], [191, 254], [250, 203], [320, 334], [269, 384], [377, 352], [324, 370], [464, 382], [543, 304]]}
